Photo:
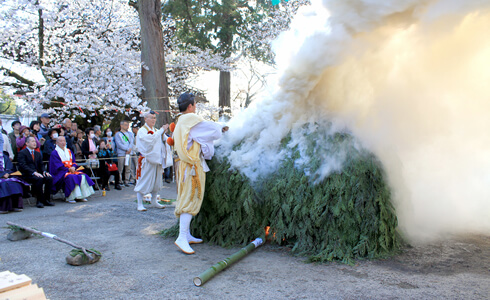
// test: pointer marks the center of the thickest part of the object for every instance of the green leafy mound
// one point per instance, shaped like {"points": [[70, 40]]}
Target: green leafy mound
{"points": [[344, 216]]}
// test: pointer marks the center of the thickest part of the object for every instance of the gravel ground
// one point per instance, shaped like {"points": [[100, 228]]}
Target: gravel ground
{"points": [[138, 264]]}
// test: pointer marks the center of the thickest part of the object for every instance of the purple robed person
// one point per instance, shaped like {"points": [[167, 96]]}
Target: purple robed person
{"points": [[11, 188], [75, 186]]}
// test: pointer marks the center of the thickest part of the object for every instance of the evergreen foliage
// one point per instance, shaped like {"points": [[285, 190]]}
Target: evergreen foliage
{"points": [[75, 252], [344, 216]]}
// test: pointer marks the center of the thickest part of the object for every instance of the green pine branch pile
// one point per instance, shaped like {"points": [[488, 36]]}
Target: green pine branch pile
{"points": [[345, 216]]}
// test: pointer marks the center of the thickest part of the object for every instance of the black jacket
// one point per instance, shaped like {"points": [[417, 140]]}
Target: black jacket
{"points": [[27, 166], [85, 147]]}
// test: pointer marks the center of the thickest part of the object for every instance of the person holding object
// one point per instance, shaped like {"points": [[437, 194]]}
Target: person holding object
{"points": [[89, 145], [21, 140], [32, 168], [151, 162], [194, 142], [107, 166], [77, 185]]}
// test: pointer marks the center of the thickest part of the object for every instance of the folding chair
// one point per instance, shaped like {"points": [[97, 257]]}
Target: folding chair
{"points": [[92, 164]]}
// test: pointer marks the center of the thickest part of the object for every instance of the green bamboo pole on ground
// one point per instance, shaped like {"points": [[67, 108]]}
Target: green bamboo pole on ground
{"points": [[220, 266]]}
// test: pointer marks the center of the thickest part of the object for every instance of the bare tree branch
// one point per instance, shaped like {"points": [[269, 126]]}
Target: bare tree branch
{"points": [[133, 3], [18, 77], [3, 111]]}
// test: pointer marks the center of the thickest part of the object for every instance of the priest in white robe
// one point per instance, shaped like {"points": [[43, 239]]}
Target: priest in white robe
{"points": [[154, 157], [62, 166]]}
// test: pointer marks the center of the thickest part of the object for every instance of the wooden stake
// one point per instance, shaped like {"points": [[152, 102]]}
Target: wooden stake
{"points": [[54, 237]]}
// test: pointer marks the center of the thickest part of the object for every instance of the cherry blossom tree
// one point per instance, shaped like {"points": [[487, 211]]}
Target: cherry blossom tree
{"points": [[88, 53]]}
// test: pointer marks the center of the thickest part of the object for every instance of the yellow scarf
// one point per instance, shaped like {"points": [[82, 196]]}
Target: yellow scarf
{"points": [[189, 167]]}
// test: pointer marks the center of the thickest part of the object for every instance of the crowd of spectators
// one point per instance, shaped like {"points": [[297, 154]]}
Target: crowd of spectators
{"points": [[27, 151]]}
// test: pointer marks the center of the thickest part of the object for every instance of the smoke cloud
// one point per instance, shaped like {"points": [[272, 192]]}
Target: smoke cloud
{"points": [[411, 80]]}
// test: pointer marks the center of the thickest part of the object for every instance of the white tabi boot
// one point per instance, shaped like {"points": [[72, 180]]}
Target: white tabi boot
{"points": [[154, 201], [181, 242], [191, 239], [139, 196]]}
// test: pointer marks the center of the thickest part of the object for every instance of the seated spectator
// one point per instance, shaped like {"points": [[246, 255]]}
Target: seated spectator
{"points": [[89, 148], [44, 128], [35, 126], [107, 162], [74, 127], [13, 137], [70, 135], [78, 146], [11, 187], [98, 133], [109, 139], [76, 185], [32, 169], [21, 140], [66, 124], [50, 143], [69, 141]]}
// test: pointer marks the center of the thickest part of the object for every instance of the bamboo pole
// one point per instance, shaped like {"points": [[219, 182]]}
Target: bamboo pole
{"points": [[54, 237], [220, 266]]}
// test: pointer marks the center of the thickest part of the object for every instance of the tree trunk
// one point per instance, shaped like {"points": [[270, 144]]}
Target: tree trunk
{"points": [[224, 92], [40, 34], [153, 72]]}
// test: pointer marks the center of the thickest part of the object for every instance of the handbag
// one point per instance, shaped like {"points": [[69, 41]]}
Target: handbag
{"points": [[111, 167]]}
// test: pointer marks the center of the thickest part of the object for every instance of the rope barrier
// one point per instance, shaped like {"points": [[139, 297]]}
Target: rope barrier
{"points": [[91, 159]]}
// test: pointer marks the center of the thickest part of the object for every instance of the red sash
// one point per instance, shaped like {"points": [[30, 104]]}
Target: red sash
{"points": [[68, 164], [138, 170]]}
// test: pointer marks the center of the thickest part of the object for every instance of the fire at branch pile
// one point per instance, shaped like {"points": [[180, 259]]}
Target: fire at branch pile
{"points": [[378, 124]]}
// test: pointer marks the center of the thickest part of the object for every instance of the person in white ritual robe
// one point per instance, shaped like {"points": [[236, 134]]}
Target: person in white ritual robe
{"points": [[76, 185], [154, 157]]}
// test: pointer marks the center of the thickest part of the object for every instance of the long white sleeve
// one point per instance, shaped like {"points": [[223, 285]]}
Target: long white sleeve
{"points": [[151, 145], [205, 133]]}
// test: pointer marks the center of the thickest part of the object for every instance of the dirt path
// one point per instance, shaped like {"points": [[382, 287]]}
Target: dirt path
{"points": [[137, 264]]}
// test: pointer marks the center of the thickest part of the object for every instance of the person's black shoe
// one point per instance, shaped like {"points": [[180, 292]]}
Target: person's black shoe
{"points": [[168, 180], [17, 210], [118, 187], [40, 205], [49, 203]]}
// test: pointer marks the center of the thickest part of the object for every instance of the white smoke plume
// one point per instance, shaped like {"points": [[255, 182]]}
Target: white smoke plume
{"points": [[411, 80]]}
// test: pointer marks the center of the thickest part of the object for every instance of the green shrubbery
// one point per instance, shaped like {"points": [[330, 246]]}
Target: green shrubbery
{"points": [[344, 216]]}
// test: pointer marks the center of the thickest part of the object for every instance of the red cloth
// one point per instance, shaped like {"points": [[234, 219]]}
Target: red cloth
{"points": [[138, 171]]}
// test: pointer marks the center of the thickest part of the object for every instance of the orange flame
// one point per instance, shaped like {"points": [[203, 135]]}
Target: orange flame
{"points": [[267, 231]]}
